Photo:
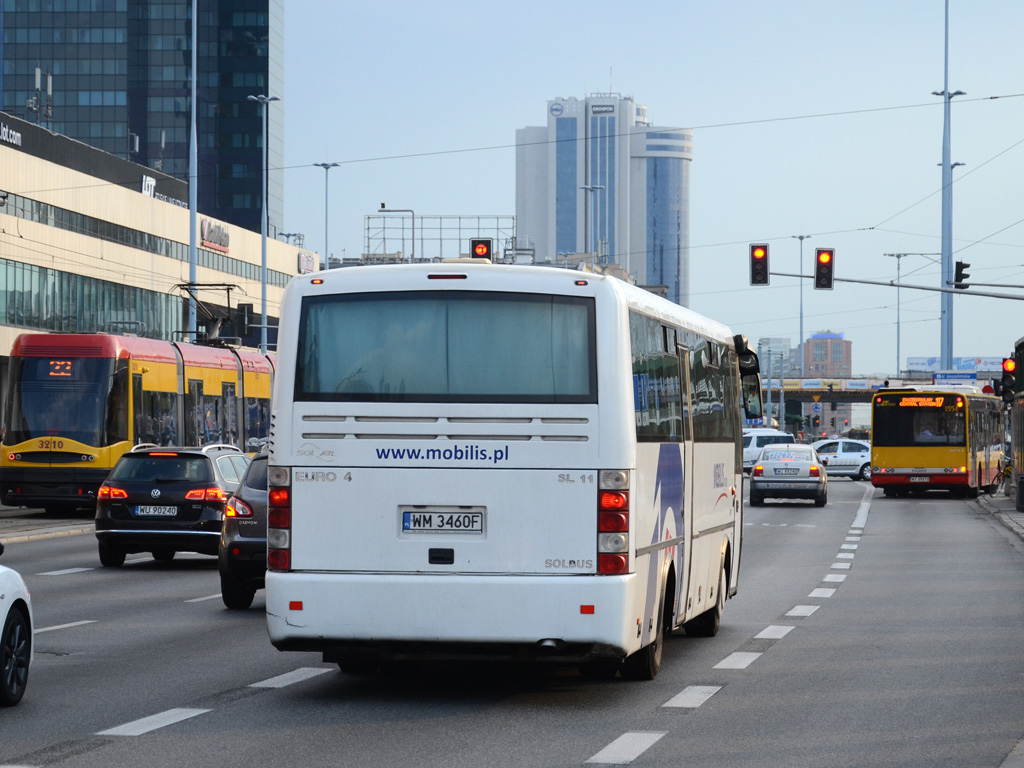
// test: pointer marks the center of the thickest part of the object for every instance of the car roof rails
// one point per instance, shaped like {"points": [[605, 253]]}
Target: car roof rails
{"points": [[221, 446], [144, 447]]}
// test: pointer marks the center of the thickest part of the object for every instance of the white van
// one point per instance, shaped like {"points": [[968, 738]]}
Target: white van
{"points": [[756, 439]]}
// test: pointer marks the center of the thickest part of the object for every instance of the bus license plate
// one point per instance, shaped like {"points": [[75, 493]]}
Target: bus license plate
{"points": [[443, 520], [156, 511], [918, 479]]}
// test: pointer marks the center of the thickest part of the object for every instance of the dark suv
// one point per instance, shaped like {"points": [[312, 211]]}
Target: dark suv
{"points": [[243, 542], [165, 500]]}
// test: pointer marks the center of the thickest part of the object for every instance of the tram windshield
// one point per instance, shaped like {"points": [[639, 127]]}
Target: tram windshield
{"points": [[81, 399]]}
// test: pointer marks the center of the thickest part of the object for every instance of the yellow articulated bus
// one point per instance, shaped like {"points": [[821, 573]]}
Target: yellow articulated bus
{"points": [[933, 437]]}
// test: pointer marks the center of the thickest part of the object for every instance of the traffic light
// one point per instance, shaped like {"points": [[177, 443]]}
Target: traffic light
{"points": [[1009, 369], [824, 264], [480, 248], [245, 315], [817, 421], [759, 264], [961, 275]]}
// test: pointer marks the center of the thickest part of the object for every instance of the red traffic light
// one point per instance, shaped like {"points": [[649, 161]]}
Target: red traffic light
{"points": [[824, 257], [1009, 364], [758, 252], [759, 274], [824, 262], [480, 247]]}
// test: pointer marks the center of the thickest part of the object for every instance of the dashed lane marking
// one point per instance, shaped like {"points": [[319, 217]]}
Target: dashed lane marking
{"points": [[836, 578], [627, 748], [204, 599], [65, 571], [737, 660], [848, 546], [64, 626], [842, 566], [803, 610], [846, 555], [773, 632], [288, 678], [153, 722], [693, 696], [822, 592]]}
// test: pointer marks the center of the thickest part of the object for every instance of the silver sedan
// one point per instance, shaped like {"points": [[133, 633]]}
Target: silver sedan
{"points": [[788, 472]]}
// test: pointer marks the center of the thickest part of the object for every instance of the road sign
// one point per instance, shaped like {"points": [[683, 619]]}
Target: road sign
{"points": [[816, 407]]}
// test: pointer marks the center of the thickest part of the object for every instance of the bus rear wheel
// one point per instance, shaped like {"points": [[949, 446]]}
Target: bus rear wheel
{"points": [[709, 622], [646, 663]]}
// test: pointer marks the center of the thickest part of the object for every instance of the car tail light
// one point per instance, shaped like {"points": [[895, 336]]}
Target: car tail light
{"points": [[815, 472], [613, 522], [757, 471], [214, 493], [110, 492], [279, 519], [237, 508]]}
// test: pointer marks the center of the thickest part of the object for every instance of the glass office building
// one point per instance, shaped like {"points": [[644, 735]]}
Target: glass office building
{"points": [[116, 74], [599, 180]]}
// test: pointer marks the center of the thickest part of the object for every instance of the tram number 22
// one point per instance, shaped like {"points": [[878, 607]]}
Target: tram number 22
{"points": [[51, 445]]}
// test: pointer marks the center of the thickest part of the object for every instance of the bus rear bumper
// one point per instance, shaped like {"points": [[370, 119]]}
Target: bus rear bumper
{"points": [[921, 481], [394, 616]]}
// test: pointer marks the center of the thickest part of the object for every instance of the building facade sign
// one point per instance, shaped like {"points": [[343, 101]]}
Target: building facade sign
{"points": [[307, 263], [9, 135], [215, 236], [602, 109]]}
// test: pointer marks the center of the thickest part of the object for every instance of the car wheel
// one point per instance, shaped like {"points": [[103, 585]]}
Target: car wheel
{"points": [[756, 499], [708, 623], [820, 501], [865, 472], [15, 653], [163, 555], [111, 556], [237, 595]]}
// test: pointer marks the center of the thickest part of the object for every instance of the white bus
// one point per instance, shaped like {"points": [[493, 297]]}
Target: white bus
{"points": [[471, 460]]}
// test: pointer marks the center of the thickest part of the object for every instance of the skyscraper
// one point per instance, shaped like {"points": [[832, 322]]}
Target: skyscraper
{"points": [[599, 178], [121, 81]]}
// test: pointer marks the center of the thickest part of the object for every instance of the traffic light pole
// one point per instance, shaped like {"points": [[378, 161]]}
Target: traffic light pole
{"points": [[894, 284]]}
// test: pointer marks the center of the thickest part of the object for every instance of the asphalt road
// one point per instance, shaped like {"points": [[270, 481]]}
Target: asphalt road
{"points": [[872, 632]]}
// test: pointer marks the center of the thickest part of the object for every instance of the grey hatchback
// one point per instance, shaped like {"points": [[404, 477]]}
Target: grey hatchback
{"points": [[165, 500], [242, 554]]}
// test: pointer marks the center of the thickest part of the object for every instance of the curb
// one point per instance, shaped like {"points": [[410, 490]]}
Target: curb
{"points": [[26, 536]]}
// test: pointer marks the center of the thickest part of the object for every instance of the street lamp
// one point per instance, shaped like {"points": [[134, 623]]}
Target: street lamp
{"points": [[801, 238], [587, 203], [899, 261], [265, 101], [384, 209], [327, 171]]}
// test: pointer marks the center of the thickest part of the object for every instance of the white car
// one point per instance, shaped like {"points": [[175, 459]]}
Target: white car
{"points": [[756, 439], [845, 457], [15, 637]]}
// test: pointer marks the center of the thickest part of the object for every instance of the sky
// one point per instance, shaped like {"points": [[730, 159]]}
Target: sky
{"points": [[810, 117]]}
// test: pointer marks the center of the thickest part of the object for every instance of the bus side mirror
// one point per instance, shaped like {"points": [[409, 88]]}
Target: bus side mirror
{"points": [[750, 384]]}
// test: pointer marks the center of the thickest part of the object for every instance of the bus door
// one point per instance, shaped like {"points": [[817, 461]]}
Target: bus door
{"points": [[684, 561]]}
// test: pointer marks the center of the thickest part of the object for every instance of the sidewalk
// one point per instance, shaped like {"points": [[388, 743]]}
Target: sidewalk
{"points": [[20, 524], [1004, 509]]}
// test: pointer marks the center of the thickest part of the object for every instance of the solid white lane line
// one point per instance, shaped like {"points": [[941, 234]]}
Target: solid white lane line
{"points": [[627, 748], [737, 660], [204, 599], [861, 519], [693, 696], [65, 572], [64, 626], [296, 676], [822, 592], [836, 578], [803, 610], [773, 632], [842, 566], [151, 723]]}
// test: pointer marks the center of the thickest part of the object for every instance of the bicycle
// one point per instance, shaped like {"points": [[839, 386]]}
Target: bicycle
{"points": [[1002, 477]]}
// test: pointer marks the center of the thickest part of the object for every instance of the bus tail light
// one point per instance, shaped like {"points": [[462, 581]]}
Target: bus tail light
{"points": [[279, 519], [613, 522]]}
